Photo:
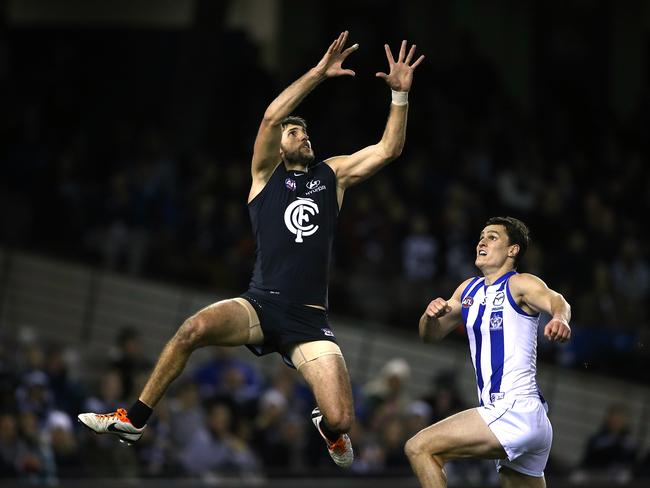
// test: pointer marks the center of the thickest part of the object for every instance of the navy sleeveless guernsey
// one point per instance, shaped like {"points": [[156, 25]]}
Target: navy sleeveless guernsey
{"points": [[294, 219]]}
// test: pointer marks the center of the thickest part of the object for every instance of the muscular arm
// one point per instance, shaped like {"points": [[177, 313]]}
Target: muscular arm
{"points": [[266, 151], [354, 168], [441, 316], [533, 294]]}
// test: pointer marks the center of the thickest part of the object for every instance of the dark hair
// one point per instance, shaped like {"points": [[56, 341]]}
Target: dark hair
{"points": [[517, 232], [294, 120]]}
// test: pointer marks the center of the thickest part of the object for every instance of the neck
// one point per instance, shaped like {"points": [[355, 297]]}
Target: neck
{"points": [[491, 275], [295, 166]]}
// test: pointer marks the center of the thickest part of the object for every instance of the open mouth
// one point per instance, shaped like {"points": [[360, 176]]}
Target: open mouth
{"points": [[482, 252]]}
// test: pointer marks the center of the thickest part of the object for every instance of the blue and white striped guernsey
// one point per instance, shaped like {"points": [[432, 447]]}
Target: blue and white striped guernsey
{"points": [[502, 341]]}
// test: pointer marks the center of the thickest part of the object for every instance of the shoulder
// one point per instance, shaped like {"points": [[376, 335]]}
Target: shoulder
{"points": [[260, 183], [521, 282], [465, 287], [326, 167], [325, 172]]}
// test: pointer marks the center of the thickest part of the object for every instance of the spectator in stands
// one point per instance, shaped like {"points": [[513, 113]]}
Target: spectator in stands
{"points": [[34, 457], [277, 433], [8, 446], [68, 393], [444, 399], [129, 359], [216, 452], [209, 376], [187, 415], [386, 395], [65, 449], [611, 451]]}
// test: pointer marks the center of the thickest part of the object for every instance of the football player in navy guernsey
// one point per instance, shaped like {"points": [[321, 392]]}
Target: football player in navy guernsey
{"points": [[293, 205]]}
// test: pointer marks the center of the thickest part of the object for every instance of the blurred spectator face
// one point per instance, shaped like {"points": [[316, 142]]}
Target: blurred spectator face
{"points": [[56, 363], [393, 433], [233, 379], [395, 384], [189, 395], [284, 381], [34, 356], [37, 387], [111, 387], [602, 278], [219, 420], [8, 429], [273, 405], [444, 400], [132, 348], [617, 420], [63, 441], [396, 372], [59, 428], [129, 342], [630, 251], [292, 430], [418, 416], [29, 427]]}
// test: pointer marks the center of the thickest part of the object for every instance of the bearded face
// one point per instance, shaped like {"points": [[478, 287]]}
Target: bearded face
{"points": [[296, 147]]}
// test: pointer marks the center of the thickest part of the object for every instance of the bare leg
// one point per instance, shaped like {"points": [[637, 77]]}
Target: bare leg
{"points": [[224, 323], [329, 380], [512, 479], [464, 434]]}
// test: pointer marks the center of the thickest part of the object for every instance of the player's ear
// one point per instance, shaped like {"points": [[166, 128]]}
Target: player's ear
{"points": [[513, 250]]}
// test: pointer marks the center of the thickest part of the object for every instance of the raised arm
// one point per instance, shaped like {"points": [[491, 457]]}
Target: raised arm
{"points": [[531, 292], [266, 152], [354, 168], [441, 316]]}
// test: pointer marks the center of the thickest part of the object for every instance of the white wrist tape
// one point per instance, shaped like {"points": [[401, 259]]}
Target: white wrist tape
{"points": [[400, 98]]}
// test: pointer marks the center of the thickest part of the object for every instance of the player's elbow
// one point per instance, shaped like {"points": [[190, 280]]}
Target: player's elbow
{"points": [[393, 153], [429, 334], [431, 337], [390, 151], [271, 118]]}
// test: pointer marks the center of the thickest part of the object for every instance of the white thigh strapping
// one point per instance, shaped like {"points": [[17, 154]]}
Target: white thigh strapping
{"points": [[255, 334]]}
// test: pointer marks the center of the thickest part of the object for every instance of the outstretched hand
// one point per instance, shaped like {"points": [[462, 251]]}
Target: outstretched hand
{"points": [[331, 64], [400, 75]]}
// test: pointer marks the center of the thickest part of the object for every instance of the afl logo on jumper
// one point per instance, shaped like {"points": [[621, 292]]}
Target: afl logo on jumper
{"points": [[290, 184], [297, 215], [467, 302]]}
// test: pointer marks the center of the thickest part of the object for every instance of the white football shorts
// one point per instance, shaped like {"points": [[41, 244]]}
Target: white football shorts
{"points": [[524, 430]]}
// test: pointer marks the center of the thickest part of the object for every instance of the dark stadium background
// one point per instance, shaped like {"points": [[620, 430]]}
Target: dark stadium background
{"points": [[126, 133]]}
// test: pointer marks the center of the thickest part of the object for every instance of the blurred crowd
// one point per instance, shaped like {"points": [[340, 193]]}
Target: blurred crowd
{"points": [[225, 419], [131, 150]]}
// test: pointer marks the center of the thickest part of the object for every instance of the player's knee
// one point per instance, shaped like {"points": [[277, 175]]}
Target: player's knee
{"points": [[415, 447], [340, 422], [190, 335], [412, 448]]}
